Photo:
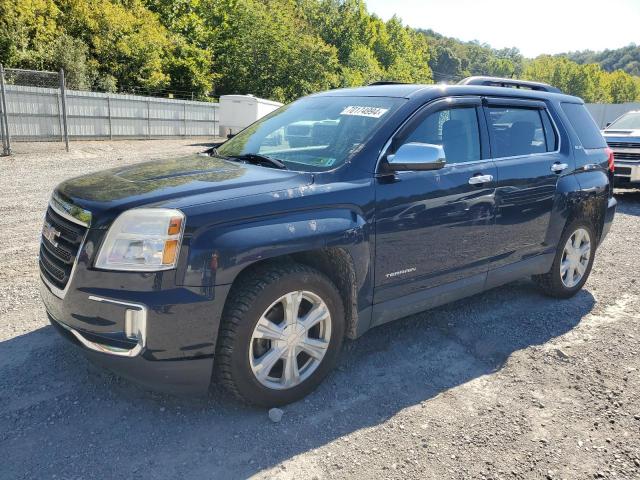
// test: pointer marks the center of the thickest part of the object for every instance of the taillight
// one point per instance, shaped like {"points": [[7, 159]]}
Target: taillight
{"points": [[611, 164]]}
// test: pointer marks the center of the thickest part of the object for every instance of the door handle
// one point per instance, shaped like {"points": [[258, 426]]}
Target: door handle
{"points": [[558, 167], [478, 179]]}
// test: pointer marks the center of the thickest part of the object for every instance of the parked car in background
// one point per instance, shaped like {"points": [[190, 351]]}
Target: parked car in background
{"points": [[304, 134], [623, 136], [251, 264]]}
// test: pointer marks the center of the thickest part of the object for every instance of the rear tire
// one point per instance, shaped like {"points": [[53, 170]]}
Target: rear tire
{"points": [[281, 333], [572, 263]]}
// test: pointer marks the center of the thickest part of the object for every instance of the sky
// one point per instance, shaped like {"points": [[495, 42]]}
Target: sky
{"points": [[534, 27]]}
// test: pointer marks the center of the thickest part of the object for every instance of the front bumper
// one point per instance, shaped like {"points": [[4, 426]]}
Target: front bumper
{"points": [[161, 338]]}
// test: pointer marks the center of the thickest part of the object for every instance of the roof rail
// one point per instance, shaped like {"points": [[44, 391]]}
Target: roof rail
{"points": [[386, 82], [509, 82]]}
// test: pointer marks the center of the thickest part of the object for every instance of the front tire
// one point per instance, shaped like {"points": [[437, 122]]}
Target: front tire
{"points": [[281, 333], [572, 263]]}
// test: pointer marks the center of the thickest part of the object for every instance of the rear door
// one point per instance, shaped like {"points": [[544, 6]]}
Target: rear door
{"points": [[524, 146]]}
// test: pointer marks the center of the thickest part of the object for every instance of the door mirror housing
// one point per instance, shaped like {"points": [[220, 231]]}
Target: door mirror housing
{"points": [[417, 156]]}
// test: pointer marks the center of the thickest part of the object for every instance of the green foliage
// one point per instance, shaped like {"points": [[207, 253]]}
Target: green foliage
{"points": [[453, 60], [406, 54], [361, 68], [590, 81], [266, 50], [623, 87], [124, 40], [70, 54], [446, 65], [279, 49], [625, 58]]}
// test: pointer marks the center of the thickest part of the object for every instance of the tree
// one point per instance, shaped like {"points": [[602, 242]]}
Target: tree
{"points": [[125, 41], [279, 49], [268, 51], [69, 54], [404, 53], [445, 64], [361, 68], [623, 88], [625, 58], [27, 29]]}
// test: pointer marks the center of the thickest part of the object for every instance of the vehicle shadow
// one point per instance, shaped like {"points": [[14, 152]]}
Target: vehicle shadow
{"points": [[85, 420], [628, 201]]}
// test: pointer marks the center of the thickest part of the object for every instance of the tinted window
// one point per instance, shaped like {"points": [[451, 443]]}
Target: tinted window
{"points": [[519, 131], [584, 126], [456, 130]]}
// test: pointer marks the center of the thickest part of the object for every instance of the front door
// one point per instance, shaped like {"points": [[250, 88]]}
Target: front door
{"points": [[433, 227]]}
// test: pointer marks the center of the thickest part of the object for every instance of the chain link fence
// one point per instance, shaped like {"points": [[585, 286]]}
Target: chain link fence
{"points": [[36, 106], [32, 78]]}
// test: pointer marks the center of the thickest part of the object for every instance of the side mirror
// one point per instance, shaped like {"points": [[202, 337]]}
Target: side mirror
{"points": [[417, 156]]}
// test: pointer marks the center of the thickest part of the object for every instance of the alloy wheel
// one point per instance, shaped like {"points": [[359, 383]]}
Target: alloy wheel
{"points": [[290, 340], [575, 258]]}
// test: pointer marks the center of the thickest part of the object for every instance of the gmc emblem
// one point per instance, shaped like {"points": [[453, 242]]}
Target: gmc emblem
{"points": [[50, 233]]}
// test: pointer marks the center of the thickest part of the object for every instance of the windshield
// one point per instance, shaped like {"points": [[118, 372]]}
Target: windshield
{"points": [[629, 120], [315, 133]]}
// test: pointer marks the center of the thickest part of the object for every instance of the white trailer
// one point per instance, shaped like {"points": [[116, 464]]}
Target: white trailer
{"points": [[240, 111]]}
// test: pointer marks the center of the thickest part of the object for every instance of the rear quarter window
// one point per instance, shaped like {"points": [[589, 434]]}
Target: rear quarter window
{"points": [[584, 125]]}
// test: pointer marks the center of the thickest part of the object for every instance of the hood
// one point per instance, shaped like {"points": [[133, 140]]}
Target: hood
{"points": [[158, 182], [621, 132]]}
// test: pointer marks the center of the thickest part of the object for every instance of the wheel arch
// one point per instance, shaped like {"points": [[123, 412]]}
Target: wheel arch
{"points": [[334, 262], [334, 241], [590, 203], [579, 197]]}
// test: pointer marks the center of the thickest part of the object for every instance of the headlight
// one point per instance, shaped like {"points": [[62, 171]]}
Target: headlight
{"points": [[143, 239]]}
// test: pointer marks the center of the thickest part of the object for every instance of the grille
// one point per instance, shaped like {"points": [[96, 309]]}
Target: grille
{"points": [[623, 171], [627, 156], [623, 145], [58, 255]]}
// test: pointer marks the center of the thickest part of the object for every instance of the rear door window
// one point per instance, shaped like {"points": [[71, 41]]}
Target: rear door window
{"points": [[520, 131], [584, 125]]}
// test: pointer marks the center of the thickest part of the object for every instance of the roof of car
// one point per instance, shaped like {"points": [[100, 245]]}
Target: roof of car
{"points": [[398, 90], [427, 92]]}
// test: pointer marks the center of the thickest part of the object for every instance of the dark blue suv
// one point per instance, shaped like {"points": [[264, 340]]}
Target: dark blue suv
{"points": [[251, 262]]}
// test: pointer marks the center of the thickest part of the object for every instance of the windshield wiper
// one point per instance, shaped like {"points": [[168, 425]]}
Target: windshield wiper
{"points": [[261, 159]]}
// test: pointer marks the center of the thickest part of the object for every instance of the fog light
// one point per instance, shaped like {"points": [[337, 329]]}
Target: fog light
{"points": [[134, 324]]}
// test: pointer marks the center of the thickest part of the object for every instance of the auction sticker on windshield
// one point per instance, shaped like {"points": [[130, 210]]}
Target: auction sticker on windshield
{"points": [[373, 112]]}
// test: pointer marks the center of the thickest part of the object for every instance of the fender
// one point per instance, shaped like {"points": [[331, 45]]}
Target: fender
{"points": [[567, 199], [218, 254], [580, 195], [595, 187]]}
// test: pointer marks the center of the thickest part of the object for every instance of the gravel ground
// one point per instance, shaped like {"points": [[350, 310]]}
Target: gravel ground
{"points": [[507, 384]]}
